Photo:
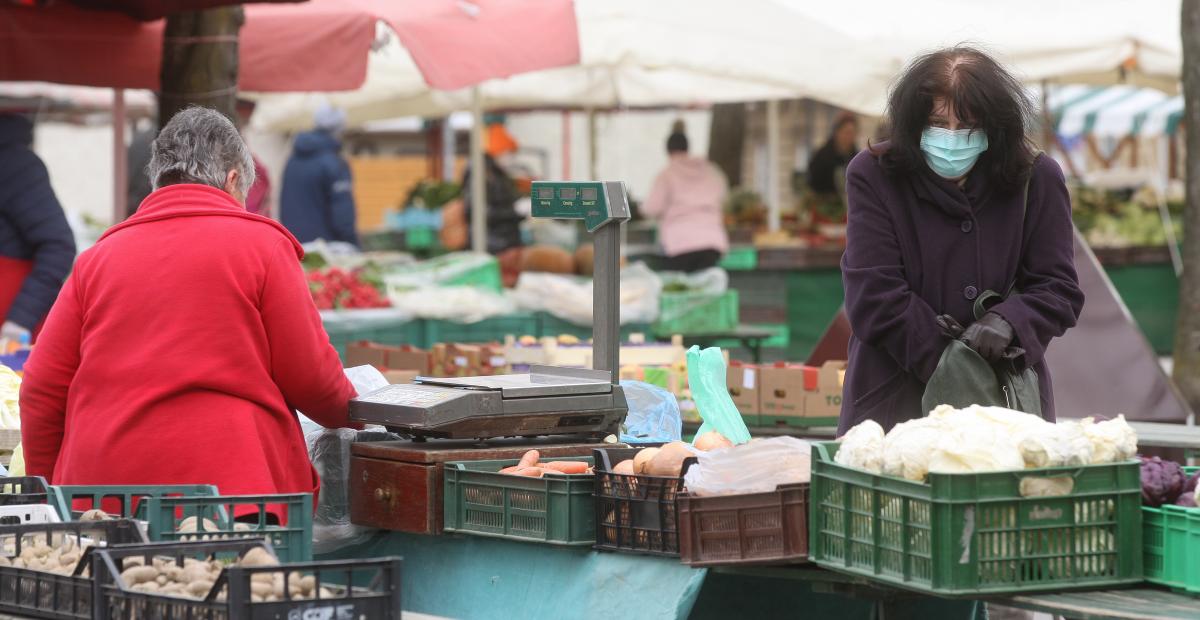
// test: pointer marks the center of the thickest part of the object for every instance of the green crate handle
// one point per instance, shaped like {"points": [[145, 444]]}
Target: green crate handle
{"points": [[161, 514], [61, 496]]}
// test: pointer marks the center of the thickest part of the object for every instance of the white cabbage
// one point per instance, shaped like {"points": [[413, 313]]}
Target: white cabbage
{"points": [[862, 447]]}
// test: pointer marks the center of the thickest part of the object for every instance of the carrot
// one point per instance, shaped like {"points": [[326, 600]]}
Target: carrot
{"points": [[531, 472], [566, 467], [510, 470], [529, 459]]}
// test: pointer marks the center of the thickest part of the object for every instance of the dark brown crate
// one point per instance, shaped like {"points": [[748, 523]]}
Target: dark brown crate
{"points": [[635, 514], [754, 528]]}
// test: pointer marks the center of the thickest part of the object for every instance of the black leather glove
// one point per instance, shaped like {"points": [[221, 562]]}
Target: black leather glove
{"points": [[989, 336], [949, 326]]}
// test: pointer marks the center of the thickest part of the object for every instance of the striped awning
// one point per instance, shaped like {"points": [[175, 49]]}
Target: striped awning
{"points": [[1113, 111]]}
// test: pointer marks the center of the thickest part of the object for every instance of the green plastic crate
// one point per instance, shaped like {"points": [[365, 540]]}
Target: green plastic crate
{"points": [[291, 538], [487, 330], [784, 421], [63, 496], [455, 269], [974, 534], [744, 258], [550, 325], [342, 333], [556, 509], [1171, 539], [696, 313]]}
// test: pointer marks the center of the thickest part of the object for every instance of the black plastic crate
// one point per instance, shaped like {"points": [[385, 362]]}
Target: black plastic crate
{"points": [[379, 600], [23, 490], [635, 514], [40, 594]]}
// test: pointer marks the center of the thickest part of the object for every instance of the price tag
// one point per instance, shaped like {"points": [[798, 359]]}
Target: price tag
{"points": [[460, 361], [497, 361], [748, 379]]}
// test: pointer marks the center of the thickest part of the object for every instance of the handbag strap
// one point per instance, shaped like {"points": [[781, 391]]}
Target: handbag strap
{"points": [[989, 298]]}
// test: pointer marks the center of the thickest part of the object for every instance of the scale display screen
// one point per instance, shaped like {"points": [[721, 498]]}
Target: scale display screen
{"points": [[587, 193], [568, 193], [545, 193]]}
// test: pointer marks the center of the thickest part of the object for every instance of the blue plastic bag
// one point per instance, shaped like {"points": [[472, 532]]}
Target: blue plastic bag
{"points": [[653, 414]]}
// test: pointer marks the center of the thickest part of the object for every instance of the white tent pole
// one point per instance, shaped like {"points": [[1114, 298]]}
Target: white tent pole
{"points": [[120, 163], [774, 196], [478, 176], [449, 150], [592, 146]]}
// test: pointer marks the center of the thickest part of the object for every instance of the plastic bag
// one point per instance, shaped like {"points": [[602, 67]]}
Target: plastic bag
{"points": [[691, 290], [329, 451], [707, 381], [465, 304], [653, 414], [442, 270], [755, 467], [570, 297]]}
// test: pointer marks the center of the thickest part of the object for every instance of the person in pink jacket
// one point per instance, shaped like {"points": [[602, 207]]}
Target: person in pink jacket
{"points": [[687, 199]]}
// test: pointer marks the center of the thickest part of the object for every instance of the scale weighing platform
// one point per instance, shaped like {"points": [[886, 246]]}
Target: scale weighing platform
{"points": [[548, 400]]}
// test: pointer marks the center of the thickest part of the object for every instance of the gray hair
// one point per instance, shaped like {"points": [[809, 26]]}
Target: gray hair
{"points": [[200, 145]]}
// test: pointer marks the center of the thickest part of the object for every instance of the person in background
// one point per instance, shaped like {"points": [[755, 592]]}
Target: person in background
{"points": [[827, 170], [37, 246], [503, 221], [687, 200], [954, 204], [186, 339], [258, 199], [137, 157], [317, 200]]}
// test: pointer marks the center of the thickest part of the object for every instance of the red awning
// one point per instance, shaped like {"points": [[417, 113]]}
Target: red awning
{"points": [[320, 45]]}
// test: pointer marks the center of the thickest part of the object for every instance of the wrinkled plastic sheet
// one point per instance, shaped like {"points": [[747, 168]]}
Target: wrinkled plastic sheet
{"points": [[485, 578], [653, 414], [570, 297], [329, 451]]}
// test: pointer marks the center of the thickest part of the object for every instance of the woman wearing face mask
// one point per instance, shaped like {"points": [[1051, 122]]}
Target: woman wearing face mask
{"points": [[956, 202]]}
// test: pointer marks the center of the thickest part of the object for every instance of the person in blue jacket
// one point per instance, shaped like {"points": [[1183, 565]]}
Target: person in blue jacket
{"points": [[317, 201], [37, 247]]}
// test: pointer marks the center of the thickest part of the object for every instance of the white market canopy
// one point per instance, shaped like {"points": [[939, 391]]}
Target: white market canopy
{"points": [[635, 53], [1113, 111]]}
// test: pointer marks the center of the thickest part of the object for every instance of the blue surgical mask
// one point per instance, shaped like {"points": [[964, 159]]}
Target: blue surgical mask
{"points": [[952, 153]]}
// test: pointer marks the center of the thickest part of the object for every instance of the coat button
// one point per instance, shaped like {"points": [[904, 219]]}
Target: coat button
{"points": [[967, 226], [970, 293]]}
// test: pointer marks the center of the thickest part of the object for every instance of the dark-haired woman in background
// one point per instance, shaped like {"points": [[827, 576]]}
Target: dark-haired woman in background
{"points": [[955, 203], [687, 200]]}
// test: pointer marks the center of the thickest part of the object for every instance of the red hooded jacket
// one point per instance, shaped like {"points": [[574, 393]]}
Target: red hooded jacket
{"points": [[177, 352]]}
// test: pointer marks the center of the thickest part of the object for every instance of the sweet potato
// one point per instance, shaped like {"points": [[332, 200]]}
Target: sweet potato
{"points": [[566, 467], [530, 459]]}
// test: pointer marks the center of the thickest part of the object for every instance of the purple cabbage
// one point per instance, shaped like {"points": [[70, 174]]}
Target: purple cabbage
{"points": [[1162, 481], [1187, 500]]}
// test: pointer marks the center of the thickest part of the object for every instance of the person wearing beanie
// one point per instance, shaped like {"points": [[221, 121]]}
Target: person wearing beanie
{"points": [[686, 199], [317, 201]]}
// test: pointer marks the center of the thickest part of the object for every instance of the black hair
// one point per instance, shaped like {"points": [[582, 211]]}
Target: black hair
{"points": [[677, 142], [980, 90]]}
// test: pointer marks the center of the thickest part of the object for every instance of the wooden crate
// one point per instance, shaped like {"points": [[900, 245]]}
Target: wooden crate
{"points": [[397, 485]]}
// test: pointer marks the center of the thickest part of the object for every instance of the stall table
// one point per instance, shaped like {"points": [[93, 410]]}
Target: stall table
{"points": [[751, 338]]}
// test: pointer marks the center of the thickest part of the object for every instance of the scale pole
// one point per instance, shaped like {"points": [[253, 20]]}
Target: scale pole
{"points": [[606, 300]]}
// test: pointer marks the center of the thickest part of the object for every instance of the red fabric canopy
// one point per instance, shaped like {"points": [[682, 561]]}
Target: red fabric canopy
{"points": [[321, 45]]}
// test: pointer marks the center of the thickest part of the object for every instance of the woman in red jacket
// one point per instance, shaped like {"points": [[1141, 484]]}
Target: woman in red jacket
{"points": [[186, 338]]}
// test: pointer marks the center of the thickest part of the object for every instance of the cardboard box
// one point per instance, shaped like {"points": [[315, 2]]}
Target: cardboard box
{"points": [[400, 376], [387, 357], [744, 386], [782, 392], [826, 401]]}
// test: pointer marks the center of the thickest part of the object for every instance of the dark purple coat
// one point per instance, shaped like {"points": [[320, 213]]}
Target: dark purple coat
{"points": [[918, 246]]}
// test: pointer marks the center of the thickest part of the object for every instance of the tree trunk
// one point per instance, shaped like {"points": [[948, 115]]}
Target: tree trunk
{"points": [[1187, 329], [200, 62], [725, 139]]}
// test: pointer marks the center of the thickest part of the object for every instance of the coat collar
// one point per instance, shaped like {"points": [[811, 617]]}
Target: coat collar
{"points": [[948, 196], [193, 200]]}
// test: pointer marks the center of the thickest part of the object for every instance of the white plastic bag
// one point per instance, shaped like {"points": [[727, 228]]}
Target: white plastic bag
{"points": [[465, 304], [755, 467], [570, 297]]}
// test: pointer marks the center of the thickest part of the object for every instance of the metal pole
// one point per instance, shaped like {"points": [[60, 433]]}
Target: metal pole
{"points": [[120, 163], [774, 196], [606, 300], [449, 150], [478, 176], [592, 147]]}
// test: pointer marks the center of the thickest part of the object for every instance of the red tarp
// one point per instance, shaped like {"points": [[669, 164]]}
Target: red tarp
{"points": [[320, 45]]}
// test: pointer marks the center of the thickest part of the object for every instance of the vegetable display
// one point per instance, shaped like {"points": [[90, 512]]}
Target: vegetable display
{"points": [[10, 393], [1164, 482], [531, 466], [195, 578], [977, 439], [334, 288]]}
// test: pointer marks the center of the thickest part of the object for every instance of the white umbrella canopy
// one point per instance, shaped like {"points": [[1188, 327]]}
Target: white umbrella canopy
{"points": [[1064, 40], [636, 53]]}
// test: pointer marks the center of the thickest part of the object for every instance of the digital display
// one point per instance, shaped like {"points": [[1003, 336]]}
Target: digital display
{"points": [[545, 193], [567, 193], [587, 193]]}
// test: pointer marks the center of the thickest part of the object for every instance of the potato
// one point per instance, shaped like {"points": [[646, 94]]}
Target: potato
{"points": [[70, 558], [258, 556], [5, 561], [669, 460], [267, 578], [261, 589], [642, 458], [712, 440], [139, 574], [308, 583], [95, 514], [195, 572], [199, 588]]}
